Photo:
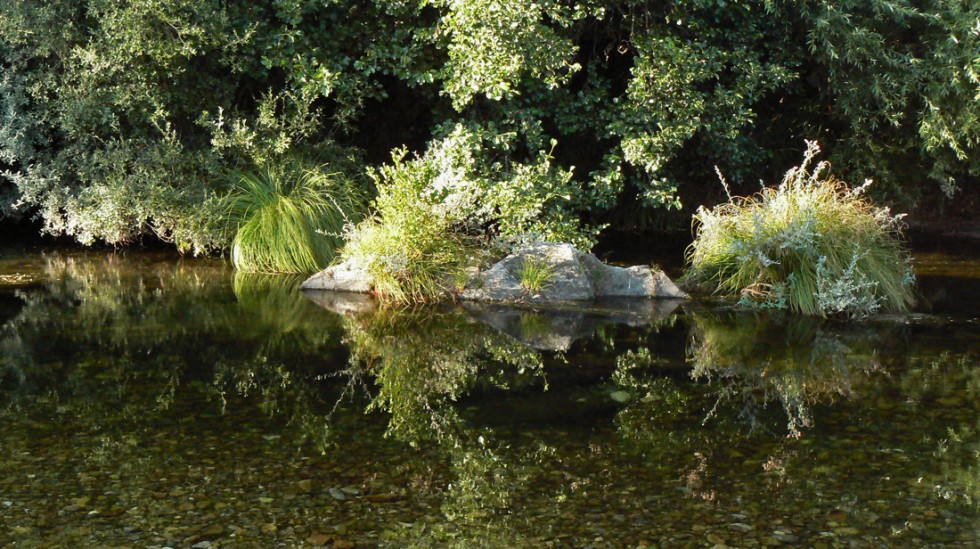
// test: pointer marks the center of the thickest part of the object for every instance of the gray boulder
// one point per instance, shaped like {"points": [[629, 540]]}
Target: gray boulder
{"points": [[569, 279], [635, 281], [575, 276], [342, 277]]}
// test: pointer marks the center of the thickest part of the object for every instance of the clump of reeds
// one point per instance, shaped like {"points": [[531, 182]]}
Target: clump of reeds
{"points": [[289, 219], [811, 245]]}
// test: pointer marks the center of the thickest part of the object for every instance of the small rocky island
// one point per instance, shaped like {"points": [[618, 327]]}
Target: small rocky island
{"points": [[536, 273]]}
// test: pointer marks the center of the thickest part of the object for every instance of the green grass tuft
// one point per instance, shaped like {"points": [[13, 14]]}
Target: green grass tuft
{"points": [[289, 220], [411, 246], [535, 275], [810, 245]]}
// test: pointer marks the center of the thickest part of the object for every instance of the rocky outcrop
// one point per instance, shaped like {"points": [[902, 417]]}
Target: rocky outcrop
{"points": [[343, 277], [574, 276], [569, 275]]}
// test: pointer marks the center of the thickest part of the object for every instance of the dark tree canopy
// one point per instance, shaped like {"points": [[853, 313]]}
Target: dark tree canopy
{"points": [[122, 118]]}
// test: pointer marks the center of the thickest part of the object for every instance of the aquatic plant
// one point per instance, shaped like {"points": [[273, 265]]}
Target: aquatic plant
{"points": [[811, 245], [289, 218]]}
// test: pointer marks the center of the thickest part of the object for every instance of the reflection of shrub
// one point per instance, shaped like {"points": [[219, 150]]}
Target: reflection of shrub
{"points": [[424, 359], [796, 361], [810, 245], [289, 219]]}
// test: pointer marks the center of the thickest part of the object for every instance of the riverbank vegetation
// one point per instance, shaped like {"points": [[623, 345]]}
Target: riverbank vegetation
{"points": [[434, 214], [289, 219], [120, 120], [811, 245]]}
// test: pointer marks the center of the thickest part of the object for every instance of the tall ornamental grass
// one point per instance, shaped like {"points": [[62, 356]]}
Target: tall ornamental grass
{"points": [[811, 245], [290, 219]]}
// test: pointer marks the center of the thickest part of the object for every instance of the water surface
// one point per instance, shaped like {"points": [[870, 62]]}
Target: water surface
{"points": [[149, 401]]}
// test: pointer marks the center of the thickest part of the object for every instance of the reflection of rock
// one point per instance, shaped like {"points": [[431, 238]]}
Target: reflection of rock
{"points": [[556, 328], [574, 276], [16, 280], [343, 303], [343, 277], [552, 327]]}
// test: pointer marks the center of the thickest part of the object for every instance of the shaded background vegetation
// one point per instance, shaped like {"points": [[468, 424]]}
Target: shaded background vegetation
{"points": [[123, 119]]}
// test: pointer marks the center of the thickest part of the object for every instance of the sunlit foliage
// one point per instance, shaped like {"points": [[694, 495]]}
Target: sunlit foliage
{"points": [[811, 245], [118, 120]]}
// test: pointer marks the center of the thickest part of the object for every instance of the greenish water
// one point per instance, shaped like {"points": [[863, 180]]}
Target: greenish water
{"points": [[146, 401]]}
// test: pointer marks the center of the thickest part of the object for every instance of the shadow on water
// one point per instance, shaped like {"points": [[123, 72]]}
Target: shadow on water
{"points": [[152, 402]]}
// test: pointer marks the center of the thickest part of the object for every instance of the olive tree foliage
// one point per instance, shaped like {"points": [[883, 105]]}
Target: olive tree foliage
{"points": [[98, 117], [640, 81], [119, 119], [903, 82], [122, 118]]}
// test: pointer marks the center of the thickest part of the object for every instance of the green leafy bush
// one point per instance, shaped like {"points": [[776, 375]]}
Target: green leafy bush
{"points": [[810, 245], [118, 119], [290, 219], [434, 211]]}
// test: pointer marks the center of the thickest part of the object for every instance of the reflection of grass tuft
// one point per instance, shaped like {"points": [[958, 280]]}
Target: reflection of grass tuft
{"points": [[272, 301], [534, 326]]}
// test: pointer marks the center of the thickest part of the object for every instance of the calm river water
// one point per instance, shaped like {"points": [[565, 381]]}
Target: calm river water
{"points": [[148, 401]]}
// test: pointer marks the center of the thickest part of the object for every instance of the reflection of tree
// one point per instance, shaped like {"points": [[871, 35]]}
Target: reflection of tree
{"points": [[422, 362], [951, 381], [109, 340], [755, 359]]}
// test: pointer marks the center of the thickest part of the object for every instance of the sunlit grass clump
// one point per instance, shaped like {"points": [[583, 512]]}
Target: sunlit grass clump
{"points": [[410, 245], [811, 245], [535, 275], [289, 219]]}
